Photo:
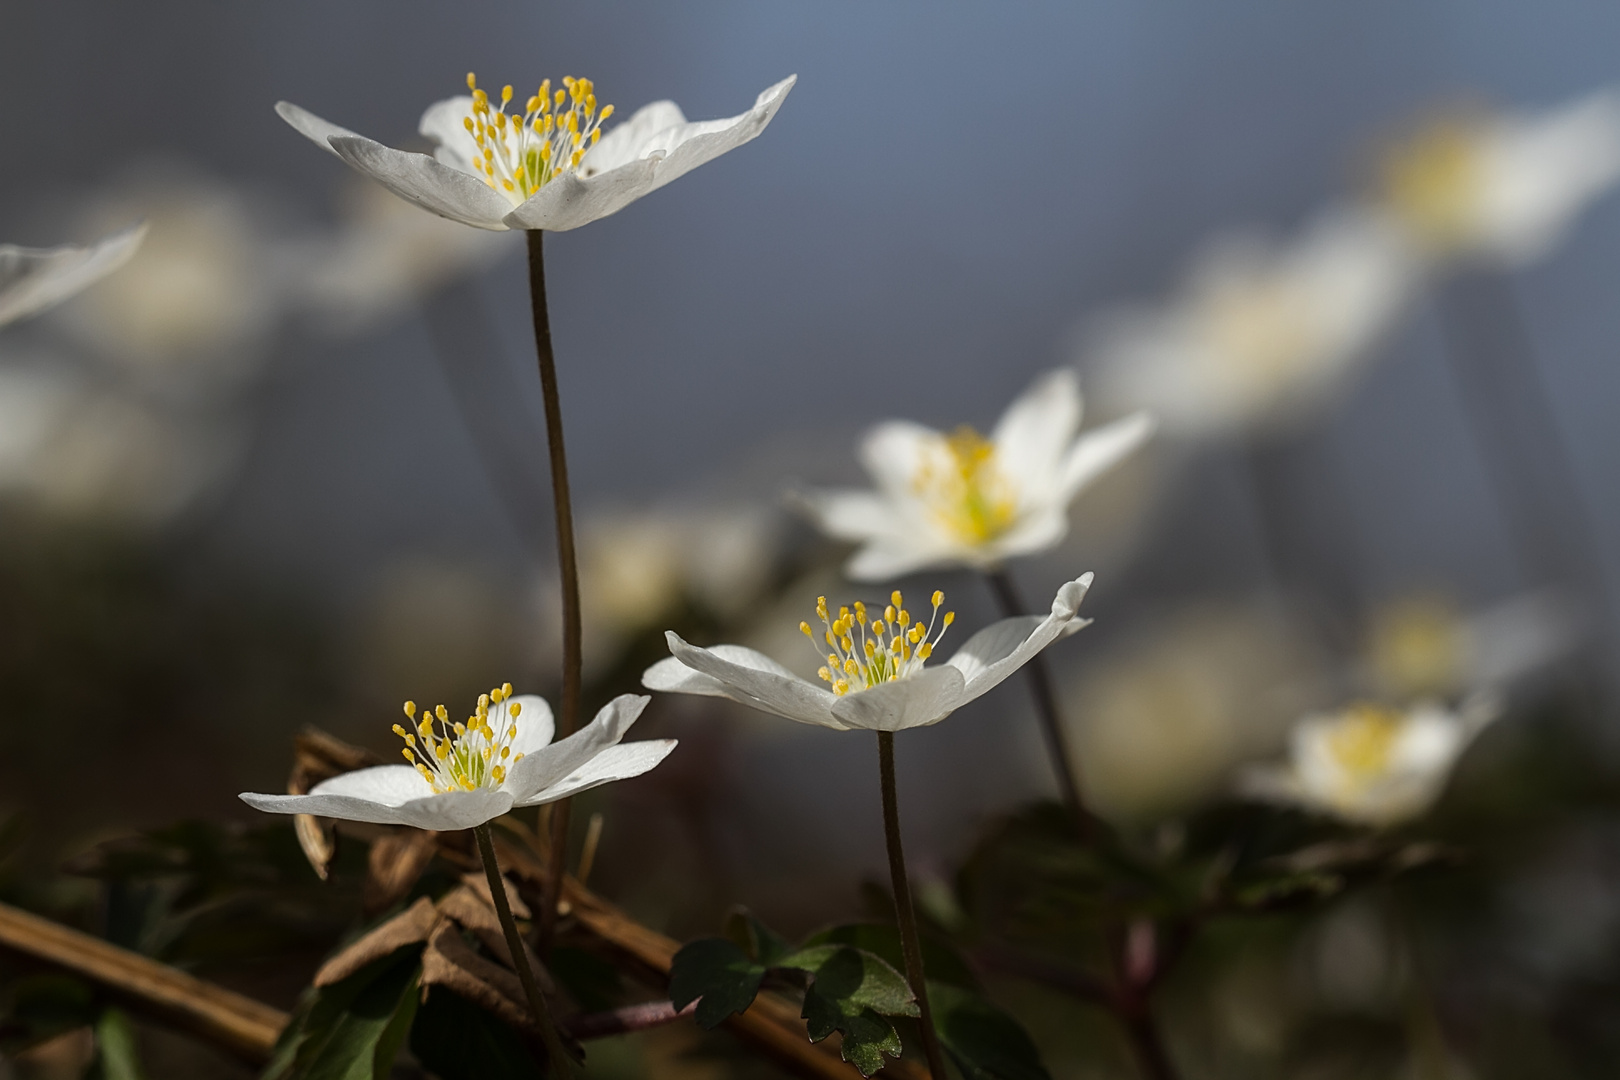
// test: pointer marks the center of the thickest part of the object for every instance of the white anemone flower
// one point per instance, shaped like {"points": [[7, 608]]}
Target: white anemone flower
{"points": [[1504, 187], [964, 500], [1372, 765], [1264, 332], [33, 279], [463, 775], [550, 167], [874, 665]]}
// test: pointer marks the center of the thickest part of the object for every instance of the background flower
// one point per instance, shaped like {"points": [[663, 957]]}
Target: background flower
{"points": [[33, 279]]}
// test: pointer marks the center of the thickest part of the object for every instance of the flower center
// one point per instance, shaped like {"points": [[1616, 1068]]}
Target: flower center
{"points": [[518, 155], [1362, 741], [1417, 647], [1432, 181], [964, 488], [863, 654], [464, 757]]}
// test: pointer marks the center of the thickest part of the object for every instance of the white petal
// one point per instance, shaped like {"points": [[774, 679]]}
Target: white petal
{"points": [[1002, 648], [692, 144], [926, 698], [570, 201], [386, 795], [33, 279], [894, 451], [625, 142], [535, 724], [419, 179], [889, 558], [442, 122], [615, 763], [318, 131], [753, 679], [1035, 531], [1095, 452], [546, 766], [1032, 435], [852, 515], [391, 785]]}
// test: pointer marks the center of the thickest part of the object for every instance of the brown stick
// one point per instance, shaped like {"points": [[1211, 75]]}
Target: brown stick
{"points": [[245, 1027]]}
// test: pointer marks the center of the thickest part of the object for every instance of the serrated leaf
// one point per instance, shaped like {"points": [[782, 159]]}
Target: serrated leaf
{"points": [[718, 975], [867, 1038], [854, 978], [760, 942], [985, 1042], [456, 1040], [940, 961]]}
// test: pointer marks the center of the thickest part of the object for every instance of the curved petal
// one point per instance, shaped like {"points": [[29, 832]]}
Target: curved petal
{"points": [[391, 785], [1033, 433], [890, 557], [1038, 530], [671, 676], [442, 122], [570, 201], [766, 686], [926, 698], [33, 279], [851, 515], [535, 724], [625, 142], [1095, 452], [442, 813], [615, 763], [429, 184], [1002, 648], [693, 144], [318, 131], [550, 764], [894, 452]]}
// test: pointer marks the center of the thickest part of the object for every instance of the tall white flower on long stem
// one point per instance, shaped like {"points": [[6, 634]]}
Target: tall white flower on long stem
{"points": [[33, 279], [551, 166], [1503, 187], [1372, 765], [965, 500], [1263, 331], [463, 775], [875, 674]]}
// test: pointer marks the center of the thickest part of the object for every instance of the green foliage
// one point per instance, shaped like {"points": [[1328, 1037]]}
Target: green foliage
{"points": [[940, 961], [718, 975], [117, 1056], [985, 1042], [353, 1029], [457, 1040]]}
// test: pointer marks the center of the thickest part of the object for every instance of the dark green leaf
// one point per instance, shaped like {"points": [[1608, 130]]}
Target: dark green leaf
{"points": [[352, 1030], [117, 1056], [854, 978], [867, 1036], [940, 961], [719, 973], [760, 942], [456, 1040], [985, 1042]]}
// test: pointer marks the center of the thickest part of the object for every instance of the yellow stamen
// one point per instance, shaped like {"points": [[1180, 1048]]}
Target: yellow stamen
{"points": [[465, 757], [886, 650], [520, 154]]}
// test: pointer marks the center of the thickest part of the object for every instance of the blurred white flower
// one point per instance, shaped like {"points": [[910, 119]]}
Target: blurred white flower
{"points": [[33, 279], [1263, 333], [552, 167], [964, 500], [1503, 187], [1424, 646], [1372, 765], [463, 775], [875, 669], [382, 257], [203, 290]]}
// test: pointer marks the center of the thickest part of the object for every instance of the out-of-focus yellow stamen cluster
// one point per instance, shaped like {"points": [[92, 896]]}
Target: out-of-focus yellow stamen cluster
{"points": [[965, 489], [1432, 180], [464, 757], [1362, 740], [861, 653], [518, 155]]}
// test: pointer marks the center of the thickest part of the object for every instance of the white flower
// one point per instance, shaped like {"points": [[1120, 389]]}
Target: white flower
{"points": [[1264, 331], [1423, 646], [1504, 187], [552, 167], [33, 279], [1373, 765], [962, 499], [875, 670], [463, 775]]}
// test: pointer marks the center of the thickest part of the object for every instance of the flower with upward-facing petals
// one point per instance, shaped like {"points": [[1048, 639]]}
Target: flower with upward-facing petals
{"points": [[1503, 187], [550, 166], [965, 500], [1373, 765], [461, 775], [33, 279], [875, 674]]}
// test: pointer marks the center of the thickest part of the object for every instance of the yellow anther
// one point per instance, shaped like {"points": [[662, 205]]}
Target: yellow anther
{"points": [[950, 617], [506, 93], [400, 731], [924, 651], [888, 612], [804, 628], [826, 675], [561, 97], [939, 598], [441, 712], [499, 773], [607, 111], [410, 709], [472, 81], [506, 690], [410, 757], [515, 708], [483, 702]]}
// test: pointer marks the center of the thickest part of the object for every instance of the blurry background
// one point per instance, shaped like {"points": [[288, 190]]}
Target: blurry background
{"points": [[287, 467]]}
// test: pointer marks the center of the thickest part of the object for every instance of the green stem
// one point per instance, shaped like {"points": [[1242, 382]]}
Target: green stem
{"points": [[568, 565], [1040, 682], [910, 944], [558, 1055]]}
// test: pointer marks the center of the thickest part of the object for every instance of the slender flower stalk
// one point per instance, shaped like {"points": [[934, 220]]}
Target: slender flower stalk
{"points": [[567, 565], [558, 1056], [910, 944]]}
